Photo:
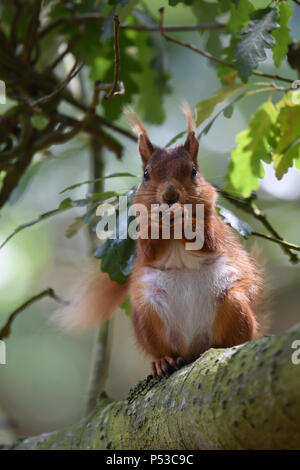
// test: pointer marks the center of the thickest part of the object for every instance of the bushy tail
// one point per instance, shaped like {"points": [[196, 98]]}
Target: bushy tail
{"points": [[263, 304], [93, 300]]}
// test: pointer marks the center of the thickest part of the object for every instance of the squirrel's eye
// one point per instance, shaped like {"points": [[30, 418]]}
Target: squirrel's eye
{"points": [[146, 175], [194, 172]]}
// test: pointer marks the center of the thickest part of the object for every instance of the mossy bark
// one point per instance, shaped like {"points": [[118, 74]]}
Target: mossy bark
{"points": [[245, 397]]}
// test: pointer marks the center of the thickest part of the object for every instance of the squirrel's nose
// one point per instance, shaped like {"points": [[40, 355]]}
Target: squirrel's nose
{"points": [[170, 196]]}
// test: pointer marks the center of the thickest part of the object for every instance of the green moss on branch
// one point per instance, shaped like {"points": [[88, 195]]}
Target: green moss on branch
{"points": [[245, 397]]}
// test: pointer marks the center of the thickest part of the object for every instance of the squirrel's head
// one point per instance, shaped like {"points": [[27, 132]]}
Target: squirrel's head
{"points": [[171, 175]]}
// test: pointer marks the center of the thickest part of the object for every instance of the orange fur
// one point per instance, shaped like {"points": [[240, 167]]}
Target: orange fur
{"points": [[235, 322], [93, 300], [172, 177]]}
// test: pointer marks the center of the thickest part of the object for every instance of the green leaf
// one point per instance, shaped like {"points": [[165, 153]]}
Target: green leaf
{"points": [[239, 16], [159, 58], [287, 137], [241, 226], [126, 306], [112, 175], [282, 34], [117, 258], [239, 19], [228, 109], [207, 12], [255, 39], [74, 227], [103, 196], [150, 102], [254, 145], [129, 66], [206, 107], [107, 25], [284, 161], [175, 138], [117, 254], [64, 205], [2, 178], [39, 122]]}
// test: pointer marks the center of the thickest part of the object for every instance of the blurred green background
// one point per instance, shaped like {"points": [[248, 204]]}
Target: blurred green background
{"points": [[44, 384]]}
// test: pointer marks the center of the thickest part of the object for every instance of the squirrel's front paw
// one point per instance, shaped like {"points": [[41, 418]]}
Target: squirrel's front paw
{"points": [[164, 366]]}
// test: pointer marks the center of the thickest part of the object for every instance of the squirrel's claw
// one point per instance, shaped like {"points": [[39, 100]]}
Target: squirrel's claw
{"points": [[164, 366]]}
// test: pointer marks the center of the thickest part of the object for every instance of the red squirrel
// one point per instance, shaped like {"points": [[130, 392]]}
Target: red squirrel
{"points": [[183, 302]]}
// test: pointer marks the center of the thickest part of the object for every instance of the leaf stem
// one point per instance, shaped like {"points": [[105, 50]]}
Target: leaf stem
{"points": [[210, 56], [6, 330], [142, 28], [248, 205]]}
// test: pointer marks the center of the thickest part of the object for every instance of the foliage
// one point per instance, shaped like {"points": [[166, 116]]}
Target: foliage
{"points": [[272, 135], [255, 38], [43, 110]]}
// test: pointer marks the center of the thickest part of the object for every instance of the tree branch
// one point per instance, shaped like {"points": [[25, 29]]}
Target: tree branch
{"points": [[210, 56], [113, 92], [249, 206], [97, 17], [5, 331], [245, 397], [101, 352], [73, 42], [45, 99], [277, 240]]}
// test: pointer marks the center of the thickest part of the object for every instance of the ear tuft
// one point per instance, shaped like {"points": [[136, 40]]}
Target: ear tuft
{"points": [[189, 117], [145, 145], [134, 121], [191, 144]]}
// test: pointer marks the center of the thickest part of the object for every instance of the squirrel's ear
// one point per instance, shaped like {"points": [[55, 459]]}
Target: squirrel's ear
{"points": [[191, 145], [145, 145], [145, 148]]}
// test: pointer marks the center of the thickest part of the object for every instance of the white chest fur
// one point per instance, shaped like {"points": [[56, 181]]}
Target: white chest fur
{"points": [[184, 289]]}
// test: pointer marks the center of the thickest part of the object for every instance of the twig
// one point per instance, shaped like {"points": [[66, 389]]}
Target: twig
{"points": [[5, 331], [116, 82], [45, 99], [249, 206], [272, 77], [97, 17], [101, 350], [173, 29], [68, 49], [100, 364], [277, 240], [210, 56], [99, 119], [185, 44]]}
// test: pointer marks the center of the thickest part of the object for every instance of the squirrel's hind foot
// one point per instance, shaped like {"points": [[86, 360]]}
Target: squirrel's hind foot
{"points": [[164, 366]]}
